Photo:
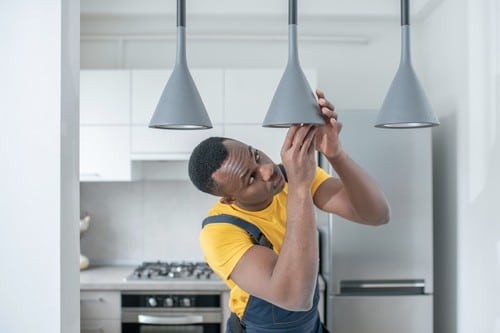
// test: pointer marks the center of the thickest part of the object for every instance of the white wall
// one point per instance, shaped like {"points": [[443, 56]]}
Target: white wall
{"points": [[39, 200], [459, 46], [145, 220]]}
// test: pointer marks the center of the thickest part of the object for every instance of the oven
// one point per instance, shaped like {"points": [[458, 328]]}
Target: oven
{"points": [[188, 310], [168, 312]]}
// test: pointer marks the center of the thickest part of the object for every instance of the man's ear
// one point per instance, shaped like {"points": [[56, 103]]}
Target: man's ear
{"points": [[227, 200]]}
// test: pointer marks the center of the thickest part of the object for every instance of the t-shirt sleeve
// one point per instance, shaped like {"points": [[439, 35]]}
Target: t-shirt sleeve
{"points": [[321, 176], [223, 245]]}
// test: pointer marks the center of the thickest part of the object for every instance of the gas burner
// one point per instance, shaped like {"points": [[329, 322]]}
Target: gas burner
{"points": [[172, 270]]}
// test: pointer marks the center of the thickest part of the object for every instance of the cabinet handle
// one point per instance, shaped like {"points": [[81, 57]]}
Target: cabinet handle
{"points": [[91, 330], [90, 174], [92, 299], [164, 320]]}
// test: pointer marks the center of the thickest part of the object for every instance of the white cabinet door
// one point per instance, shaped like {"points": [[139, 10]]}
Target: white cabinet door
{"points": [[249, 92], [100, 305], [104, 97], [268, 140], [147, 86], [100, 312], [100, 326], [105, 153], [158, 144]]}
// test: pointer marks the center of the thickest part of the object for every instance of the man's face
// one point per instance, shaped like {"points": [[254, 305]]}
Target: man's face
{"points": [[248, 177]]}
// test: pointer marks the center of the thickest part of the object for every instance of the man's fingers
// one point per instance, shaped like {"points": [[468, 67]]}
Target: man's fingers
{"points": [[289, 136]]}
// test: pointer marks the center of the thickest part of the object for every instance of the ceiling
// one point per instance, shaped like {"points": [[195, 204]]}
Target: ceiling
{"points": [[341, 8]]}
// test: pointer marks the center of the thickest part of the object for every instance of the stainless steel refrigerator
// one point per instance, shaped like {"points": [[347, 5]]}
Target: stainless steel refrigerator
{"points": [[380, 279]]}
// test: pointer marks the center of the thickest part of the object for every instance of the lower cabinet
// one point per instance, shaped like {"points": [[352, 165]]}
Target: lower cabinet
{"points": [[100, 312], [100, 326]]}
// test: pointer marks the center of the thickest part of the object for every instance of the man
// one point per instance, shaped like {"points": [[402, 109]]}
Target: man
{"points": [[274, 288]]}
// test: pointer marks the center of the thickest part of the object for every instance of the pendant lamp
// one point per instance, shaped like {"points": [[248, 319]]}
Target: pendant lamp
{"points": [[294, 101], [406, 105], [180, 105]]}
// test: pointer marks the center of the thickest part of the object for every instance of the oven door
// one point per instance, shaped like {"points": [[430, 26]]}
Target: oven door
{"points": [[164, 321]]}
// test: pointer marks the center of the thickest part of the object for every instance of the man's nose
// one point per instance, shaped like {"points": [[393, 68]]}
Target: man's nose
{"points": [[267, 171]]}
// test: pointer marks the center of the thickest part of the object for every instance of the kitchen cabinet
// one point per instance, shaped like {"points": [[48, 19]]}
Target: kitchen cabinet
{"points": [[104, 126], [155, 144], [116, 106], [104, 97], [105, 154], [100, 312]]}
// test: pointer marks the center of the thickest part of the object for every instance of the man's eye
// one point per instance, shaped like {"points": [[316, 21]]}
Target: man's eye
{"points": [[251, 180], [257, 156]]}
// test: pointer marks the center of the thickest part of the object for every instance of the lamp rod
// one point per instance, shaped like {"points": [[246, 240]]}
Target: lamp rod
{"points": [[292, 11], [405, 12], [181, 13]]}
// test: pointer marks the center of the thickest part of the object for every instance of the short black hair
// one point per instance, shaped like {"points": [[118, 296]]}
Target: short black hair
{"points": [[206, 158]]}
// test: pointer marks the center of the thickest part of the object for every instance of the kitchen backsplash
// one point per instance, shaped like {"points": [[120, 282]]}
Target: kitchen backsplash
{"points": [[142, 220]]}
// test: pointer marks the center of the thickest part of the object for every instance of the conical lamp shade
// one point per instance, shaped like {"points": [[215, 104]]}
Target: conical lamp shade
{"points": [[180, 105], [293, 102], [405, 105]]}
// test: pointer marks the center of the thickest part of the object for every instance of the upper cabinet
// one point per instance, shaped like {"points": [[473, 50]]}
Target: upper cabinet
{"points": [[105, 126], [117, 105], [104, 97], [248, 94]]}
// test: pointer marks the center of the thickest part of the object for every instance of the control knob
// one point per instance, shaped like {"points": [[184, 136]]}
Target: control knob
{"points": [[152, 302], [168, 302], [186, 302]]}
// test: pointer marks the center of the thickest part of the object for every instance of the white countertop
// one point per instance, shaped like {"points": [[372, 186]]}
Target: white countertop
{"points": [[113, 278]]}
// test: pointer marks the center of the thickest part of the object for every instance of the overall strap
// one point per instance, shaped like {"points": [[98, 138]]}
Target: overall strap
{"points": [[283, 171], [257, 236]]}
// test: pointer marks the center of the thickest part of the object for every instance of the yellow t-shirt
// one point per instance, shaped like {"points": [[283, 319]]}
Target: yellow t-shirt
{"points": [[223, 244]]}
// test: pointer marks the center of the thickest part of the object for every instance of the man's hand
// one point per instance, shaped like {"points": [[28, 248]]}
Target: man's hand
{"points": [[327, 138], [297, 154]]}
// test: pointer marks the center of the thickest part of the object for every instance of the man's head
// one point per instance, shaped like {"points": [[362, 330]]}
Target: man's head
{"points": [[235, 171], [206, 158]]}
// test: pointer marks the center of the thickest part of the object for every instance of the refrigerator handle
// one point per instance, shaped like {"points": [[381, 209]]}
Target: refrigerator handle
{"points": [[382, 287]]}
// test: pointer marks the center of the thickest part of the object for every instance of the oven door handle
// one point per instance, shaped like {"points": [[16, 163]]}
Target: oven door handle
{"points": [[170, 320]]}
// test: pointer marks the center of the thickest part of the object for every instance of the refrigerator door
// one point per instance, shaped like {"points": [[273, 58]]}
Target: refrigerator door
{"points": [[401, 162], [382, 314]]}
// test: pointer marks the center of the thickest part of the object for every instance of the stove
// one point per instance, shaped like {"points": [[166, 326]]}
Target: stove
{"points": [[161, 270], [172, 310]]}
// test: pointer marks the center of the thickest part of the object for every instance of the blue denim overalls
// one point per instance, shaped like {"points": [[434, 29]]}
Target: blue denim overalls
{"points": [[261, 316]]}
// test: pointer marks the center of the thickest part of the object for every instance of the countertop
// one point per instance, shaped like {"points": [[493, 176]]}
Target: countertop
{"points": [[113, 278]]}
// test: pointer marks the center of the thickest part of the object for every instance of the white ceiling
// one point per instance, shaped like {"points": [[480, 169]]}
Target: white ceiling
{"points": [[347, 8]]}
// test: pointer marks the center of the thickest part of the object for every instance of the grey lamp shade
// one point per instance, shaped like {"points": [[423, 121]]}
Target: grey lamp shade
{"points": [[180, 105], [405, 105], [294, 101]]}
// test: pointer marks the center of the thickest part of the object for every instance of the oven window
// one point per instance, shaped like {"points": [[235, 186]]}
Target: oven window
{"points": [[142, 328]]}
